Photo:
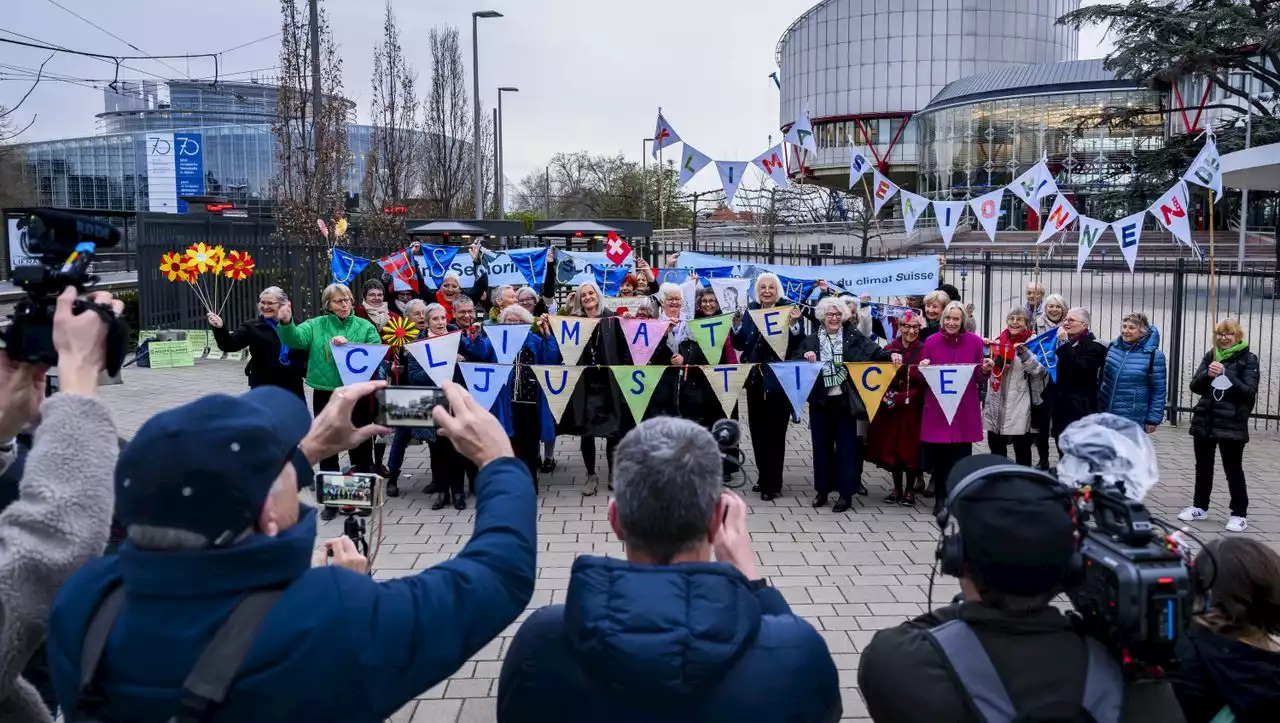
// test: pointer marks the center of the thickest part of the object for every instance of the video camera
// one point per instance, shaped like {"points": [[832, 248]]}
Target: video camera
{"points": [[65, 244]]}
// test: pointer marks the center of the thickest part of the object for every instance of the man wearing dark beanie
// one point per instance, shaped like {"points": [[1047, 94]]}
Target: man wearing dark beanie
{"points": [[1002, 651]]}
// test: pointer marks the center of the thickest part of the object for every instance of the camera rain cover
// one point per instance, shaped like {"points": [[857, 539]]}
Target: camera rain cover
{"points": [[1109, 449]]}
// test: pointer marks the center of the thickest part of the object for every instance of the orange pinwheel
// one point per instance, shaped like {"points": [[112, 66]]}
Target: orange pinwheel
{"points": [[171, 265], [199, 258], [239, 265], [399, 331]]}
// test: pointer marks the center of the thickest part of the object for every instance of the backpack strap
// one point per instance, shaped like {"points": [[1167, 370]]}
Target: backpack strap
{"points": [[207, 685], [89, 696], [974, 671], [1103, 684]]}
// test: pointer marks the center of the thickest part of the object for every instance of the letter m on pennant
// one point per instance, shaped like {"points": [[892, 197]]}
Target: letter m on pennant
{"points": [[771, 164]]}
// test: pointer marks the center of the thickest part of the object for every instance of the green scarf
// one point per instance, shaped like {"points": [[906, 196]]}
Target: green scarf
{"points": [[1220, 354]]}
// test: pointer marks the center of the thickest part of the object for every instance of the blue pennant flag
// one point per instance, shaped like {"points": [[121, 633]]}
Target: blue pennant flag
{"points": [[346, 267], [679, 276], [797, 380], [1045, 347], [796, 291], [435, 262], [531, 263], [610, 280], [485, 381]]}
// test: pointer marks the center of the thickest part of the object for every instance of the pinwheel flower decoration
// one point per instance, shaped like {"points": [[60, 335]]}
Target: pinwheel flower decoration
{"points": [[399, 331], [172, 266], [239, 265], [200, 258]]}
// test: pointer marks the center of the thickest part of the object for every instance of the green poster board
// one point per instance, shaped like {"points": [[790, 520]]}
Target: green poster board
{"points": [[197, 340], [144, 335], [236, 355], [170, 354]]}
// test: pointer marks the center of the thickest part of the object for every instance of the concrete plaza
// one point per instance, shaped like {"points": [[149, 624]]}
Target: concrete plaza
{"points": [[848, 574]]}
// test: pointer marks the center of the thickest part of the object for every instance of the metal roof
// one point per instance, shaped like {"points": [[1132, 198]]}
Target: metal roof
{"points": [[1072, 75]]}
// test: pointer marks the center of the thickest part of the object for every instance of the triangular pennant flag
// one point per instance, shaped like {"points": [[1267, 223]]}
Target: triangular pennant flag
{"points": [[882, 189], [572, 334], [399, 266], [948, 213], [1171, 211], [1028, 186], [797, 291], [731, 293], [643, 337], [357, 362], [531, 263], [711, 332], [663, 135], [345, 267], [871, 379], [730, 176], [1091, 229], [557, 384], [1206, 169], [437, 355], [772, 164], [485, 381], [692, 161], [1060, 217], [775, 326], [1128, 232], [858, 164], [913, 207], [1048, 187], [1045, 348], [727, 381], [801, 134], [434, 262], [637, 384], [797, 380], [507, 340], [987, 208], [948, 382]]}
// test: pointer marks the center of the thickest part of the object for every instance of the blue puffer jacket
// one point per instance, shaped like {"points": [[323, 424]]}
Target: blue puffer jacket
{"points": [[1134, 380], [674, 643]]}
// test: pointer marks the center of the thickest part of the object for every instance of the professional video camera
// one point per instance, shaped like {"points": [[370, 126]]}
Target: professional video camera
{"points": [[1134, 592], [728, 436], [65, 244]]}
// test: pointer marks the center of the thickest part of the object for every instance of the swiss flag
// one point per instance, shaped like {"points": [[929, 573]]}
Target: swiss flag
{"points": [[616, 249], [399, 266]]}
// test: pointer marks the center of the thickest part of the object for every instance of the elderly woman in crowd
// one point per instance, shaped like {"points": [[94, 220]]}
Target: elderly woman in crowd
{"points": [[1134, 376], [375, 308], [834, 404], [893, 442], [270, 362], [946, 443], [1227, 382], [1014, 381], [451, 285], [523, 410], [1051, 317], [698, 401], [1035, 299], [665, 401], [1053, 314], [503, 297], [338, 326], [597, 408], [409, 373], [447, 466], [934, 303], [1080, 361], [768, 409]]}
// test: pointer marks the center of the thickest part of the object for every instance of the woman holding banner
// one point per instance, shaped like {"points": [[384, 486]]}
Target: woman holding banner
{"points": [[447, 466], [1016, 378], [835, 407], [375, 308], [894, 440], [1052, 317], [768, 408], [524, 411]]}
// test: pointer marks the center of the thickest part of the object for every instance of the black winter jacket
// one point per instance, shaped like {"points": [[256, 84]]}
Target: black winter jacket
{"points": [[263, 343], [856, 347], [1227, 418], [1075, 393], [1216, 671]]}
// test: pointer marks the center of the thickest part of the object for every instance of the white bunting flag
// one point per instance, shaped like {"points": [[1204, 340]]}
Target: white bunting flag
{"points": [[507, 340], [772, 163], [801, 134], [1206, 169], [731, 293], [1048, 187], [1061, 215], [1091, 229], [692, 161], [730, 176], [987, 209], [485, 381], [1128, 231], [663, 135], [797, 380], [948, 213], [913, 207], [1170, 211], [948, 382], [357, 362], [437, 355], [774, 324], [858, 164], [727, 381], [1035, 183], [882, 189], [558, 383], [572, 334]]}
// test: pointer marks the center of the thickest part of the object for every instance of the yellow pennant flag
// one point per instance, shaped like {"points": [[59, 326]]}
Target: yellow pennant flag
{"points": [[727, 380], [572, 334], [774, 324], [871, 379], [557, 383]]}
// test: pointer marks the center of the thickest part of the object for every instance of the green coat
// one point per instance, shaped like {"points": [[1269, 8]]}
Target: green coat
{"points": [[314, 335]]}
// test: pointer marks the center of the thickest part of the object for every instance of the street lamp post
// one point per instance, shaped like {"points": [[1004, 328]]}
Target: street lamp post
{"points": [[644, 179], [502, 191], [475, 93]]}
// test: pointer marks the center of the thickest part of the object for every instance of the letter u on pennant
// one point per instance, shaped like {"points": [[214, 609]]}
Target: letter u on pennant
{"points": [[557, 384]]}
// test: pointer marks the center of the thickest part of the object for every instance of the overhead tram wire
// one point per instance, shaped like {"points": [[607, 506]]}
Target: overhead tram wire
{"points": [[55, 3]]}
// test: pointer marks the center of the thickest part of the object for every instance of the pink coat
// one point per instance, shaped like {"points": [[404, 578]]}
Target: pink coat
{"points": [[965, 348]]}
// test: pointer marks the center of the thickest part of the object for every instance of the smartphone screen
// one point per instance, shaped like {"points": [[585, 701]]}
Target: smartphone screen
{"points": [[408, 406]]}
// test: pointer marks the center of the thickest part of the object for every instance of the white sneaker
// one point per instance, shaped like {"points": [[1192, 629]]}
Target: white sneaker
{"points": [[1193, 514], [1237, 524]]}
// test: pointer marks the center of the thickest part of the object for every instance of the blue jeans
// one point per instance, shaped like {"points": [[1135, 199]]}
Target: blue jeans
{"points": [[399, 443], [835, 446]]}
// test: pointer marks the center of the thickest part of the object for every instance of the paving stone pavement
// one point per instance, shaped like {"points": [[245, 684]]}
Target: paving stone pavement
{"points": [[849, 574]]}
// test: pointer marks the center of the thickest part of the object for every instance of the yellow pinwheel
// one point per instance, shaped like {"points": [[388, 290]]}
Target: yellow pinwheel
{"points": [[199, 258], [399, 331], [171, 266]]}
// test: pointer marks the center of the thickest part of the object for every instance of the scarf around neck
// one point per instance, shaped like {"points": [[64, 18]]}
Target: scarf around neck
{"points": [[379, 314], [283, 357], [1004, 352], [1219, 353]]}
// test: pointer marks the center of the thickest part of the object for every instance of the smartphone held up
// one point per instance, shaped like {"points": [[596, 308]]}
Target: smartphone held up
{"points": [[408, 406]]}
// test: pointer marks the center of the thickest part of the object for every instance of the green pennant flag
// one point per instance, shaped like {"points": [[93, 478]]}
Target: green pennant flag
{"points": [[711, 333], [637, 385]]}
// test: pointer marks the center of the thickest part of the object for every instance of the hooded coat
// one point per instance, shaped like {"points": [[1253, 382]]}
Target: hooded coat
{"points": [[1215, 671], [1134, 381]]}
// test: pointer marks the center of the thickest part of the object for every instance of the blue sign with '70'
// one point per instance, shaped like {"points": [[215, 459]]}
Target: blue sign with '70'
{"points": [[188, 158]]}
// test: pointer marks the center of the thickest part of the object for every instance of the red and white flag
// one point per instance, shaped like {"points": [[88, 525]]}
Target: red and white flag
{"points": [[399, 267], [616, 249]]}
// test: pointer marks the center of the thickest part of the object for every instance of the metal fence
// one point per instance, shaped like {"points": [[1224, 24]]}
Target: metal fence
{"points": [[1174, 293]]}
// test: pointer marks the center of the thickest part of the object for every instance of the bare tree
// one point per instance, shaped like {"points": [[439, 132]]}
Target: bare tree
{"points": [[392, 170], [447, 175], [15, 190], [581, 185]]}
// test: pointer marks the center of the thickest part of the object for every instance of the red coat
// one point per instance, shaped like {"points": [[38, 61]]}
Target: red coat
{"points": [[893, 442]]}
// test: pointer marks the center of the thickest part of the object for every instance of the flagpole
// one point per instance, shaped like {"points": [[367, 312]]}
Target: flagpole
{"points": [[662, 210], [1213, 285], [871, 208]]}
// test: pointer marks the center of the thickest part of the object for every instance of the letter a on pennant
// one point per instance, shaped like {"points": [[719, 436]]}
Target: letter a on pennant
{"points": [[797, 380], [710, 333], [774, 326], [948, 382], [437, 356], [572, 334], [507, 340], [637, 385], [357, 362], [727, 381], [557, 383], [871, 379], [643, 337], [485, 381]]}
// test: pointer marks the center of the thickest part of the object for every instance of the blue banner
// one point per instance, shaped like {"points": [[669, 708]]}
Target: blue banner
{"points": [[797, 291], [188, 159], [346, 267], [903, 277], [680, 275], [532, 265]]}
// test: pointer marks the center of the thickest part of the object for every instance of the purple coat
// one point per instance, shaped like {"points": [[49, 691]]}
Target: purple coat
{"points": [[965, 348]]}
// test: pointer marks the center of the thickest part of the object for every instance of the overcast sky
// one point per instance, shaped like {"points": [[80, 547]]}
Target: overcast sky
{"points": [[591, 73]]}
